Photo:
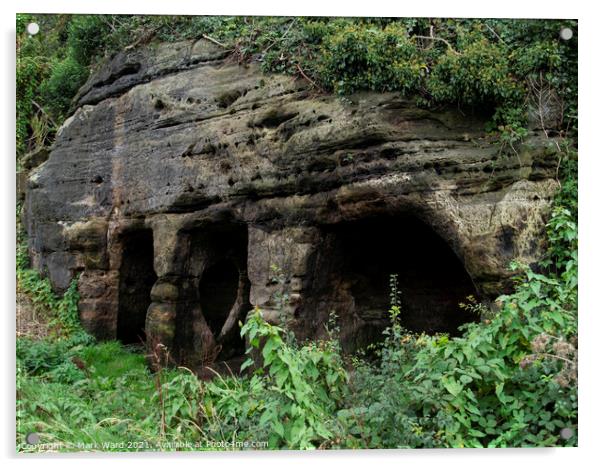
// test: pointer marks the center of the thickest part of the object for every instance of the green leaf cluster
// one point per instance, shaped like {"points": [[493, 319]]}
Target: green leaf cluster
{"points": [[291, 395]]}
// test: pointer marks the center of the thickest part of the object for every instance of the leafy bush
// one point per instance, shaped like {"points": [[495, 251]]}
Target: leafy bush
{"points": [[34, 55], [38, 357], [357, 58], [385, 410], [30, 72], [179, 399], [66, 373], [290, 398], [481, 74], [62, 312], [87, 35], [65, 79], [67, 312]]}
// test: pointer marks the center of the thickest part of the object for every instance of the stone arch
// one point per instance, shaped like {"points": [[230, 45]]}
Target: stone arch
{"points": [[357, 258], [214, 295]]}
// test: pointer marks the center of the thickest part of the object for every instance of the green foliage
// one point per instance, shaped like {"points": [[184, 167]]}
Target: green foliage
{"points": [[288, 400], [50, 357], [38, 289], [562, 227], [66, 404], [62, 312], [485, 388], [65, 79], [34, 57], [38, 357], [102, 359], [357, 58], [481, 73], [87, 35], [51, 67], [29, 74], [179, 399], [108, 401], [67, 313], [487, 65]]}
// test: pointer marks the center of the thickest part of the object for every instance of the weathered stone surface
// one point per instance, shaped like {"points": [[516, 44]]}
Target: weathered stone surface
{"points": [[21, 185], [34, 158], [232, 171]]}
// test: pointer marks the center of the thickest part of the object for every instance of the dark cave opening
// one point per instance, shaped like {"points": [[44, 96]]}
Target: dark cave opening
{"points": [[218, 258], [431, 279], [136, 279], [217, 293]]}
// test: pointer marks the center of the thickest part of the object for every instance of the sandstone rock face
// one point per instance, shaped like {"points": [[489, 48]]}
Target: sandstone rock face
{"points": [[187, 189]]}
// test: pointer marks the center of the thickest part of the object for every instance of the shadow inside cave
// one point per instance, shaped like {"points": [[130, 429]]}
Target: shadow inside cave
{"points": [[136, 279], [364, 254]]}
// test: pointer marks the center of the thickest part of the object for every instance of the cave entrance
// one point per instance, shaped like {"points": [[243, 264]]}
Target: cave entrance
{"points": [[432, 281], [217, 293], [136, 279], [218, 262]]}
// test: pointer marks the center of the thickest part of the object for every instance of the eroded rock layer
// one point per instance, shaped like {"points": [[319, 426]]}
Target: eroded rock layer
{"points": [[186, 189]]}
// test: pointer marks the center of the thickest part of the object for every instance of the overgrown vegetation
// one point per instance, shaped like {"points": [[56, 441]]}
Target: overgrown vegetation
{"points": [[509, 380], [61, 313], [493, 65]]}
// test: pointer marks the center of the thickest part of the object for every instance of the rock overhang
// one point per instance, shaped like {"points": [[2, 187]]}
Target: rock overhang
{"points": [[176, 139]]}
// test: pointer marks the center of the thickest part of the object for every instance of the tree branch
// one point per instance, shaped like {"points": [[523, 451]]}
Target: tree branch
{"points": [[440, 39], [494, 33], [39, 107], [311, 81], [215, 41]]}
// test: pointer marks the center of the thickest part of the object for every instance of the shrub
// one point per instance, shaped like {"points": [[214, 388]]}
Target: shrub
{"points": [[87, 35], [290, 399], [66, 77], [356, 58], [41, 356], [31, 72], [479, 74]]}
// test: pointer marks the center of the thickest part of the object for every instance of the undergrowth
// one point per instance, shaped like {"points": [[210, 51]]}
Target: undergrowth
{"points": [[507, 381]]}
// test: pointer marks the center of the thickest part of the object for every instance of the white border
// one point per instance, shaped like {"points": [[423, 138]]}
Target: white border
{"points": [[590, 171]]}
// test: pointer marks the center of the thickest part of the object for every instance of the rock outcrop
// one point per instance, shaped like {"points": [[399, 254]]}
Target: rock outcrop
{"points": [[186, 189]]}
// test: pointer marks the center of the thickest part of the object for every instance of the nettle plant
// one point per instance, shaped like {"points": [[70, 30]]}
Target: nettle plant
{"points": [[510, 380], [498, 385], [291, 394]]}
